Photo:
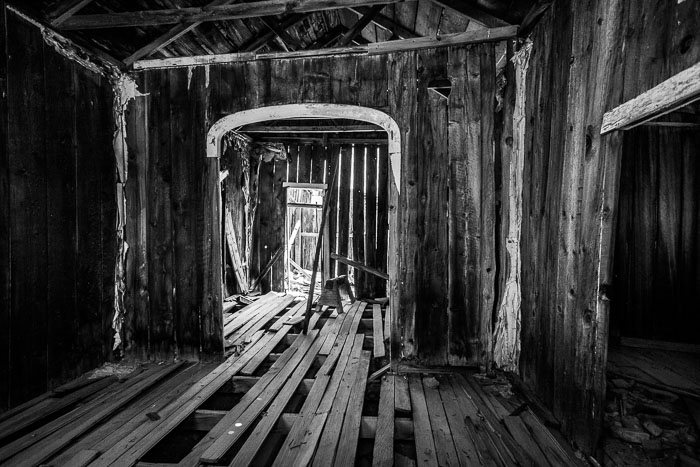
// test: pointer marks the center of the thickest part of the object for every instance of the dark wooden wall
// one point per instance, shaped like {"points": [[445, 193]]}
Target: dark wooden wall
{"points": [[657, 249], [577, 72], [57, 217], [445, 166]]}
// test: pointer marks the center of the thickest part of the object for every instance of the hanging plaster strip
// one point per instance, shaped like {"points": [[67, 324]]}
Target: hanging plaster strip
{"points": [[125, 90], [507, 334]]}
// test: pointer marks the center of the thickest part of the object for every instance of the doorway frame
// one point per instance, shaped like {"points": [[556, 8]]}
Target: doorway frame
{"points": [[314, 110]]}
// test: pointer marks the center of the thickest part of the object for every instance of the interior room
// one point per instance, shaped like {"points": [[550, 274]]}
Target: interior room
{"points": [[358, 232]]}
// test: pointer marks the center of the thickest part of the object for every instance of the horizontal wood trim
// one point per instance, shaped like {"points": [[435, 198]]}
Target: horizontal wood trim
{"points": [[360, 266], [315, 186], [462, 38], [209, 13], [319, 139], [675, 92], [312, 129], [470, 37], [304, 205]]}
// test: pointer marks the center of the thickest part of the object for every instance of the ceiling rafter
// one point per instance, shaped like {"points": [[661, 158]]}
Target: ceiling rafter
{"points": [[260, 42], [209, 13], [473, 12], [287, 40], [169, 37], [386, 23], [361, 23], [65, 10], [329, 38]]}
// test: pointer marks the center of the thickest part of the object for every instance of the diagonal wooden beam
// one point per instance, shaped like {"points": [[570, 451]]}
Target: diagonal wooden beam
{"points": [[328, 38], [288, 41], [361, 23], [260, 42], [169, 37], [65, 10], [210, 13], [473, 12], [386, 23]]}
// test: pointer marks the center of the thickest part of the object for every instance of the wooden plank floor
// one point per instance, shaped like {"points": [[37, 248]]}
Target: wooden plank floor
{"points": [[280, 398]]}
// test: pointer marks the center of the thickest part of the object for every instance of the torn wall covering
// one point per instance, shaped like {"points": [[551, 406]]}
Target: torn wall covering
{"points": [[125, 90], [506, 352]]}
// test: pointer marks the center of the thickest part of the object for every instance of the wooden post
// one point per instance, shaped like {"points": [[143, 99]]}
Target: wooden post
{"points": [[324, 215]]}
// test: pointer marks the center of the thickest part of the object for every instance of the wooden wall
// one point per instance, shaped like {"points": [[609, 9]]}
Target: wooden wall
{"points": [[577, 72], [445, 166], [657, 246], [57, 216], [368, 225]]}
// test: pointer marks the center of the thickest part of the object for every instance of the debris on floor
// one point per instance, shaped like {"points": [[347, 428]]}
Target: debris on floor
{"points": [[648, 426]]}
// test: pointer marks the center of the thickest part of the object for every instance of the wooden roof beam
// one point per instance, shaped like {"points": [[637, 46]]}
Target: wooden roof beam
{"points": [[169, 37], [288, 41], [328, 38], [65, 10], [260, 42], [469, 37], [473, 12], [361, 23], [210, 13], [386, 23]]}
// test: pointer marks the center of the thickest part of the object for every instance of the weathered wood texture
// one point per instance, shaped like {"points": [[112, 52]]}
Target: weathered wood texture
{"points": [[657, 253], [421, 214], [307, 164], [57, 216], [171, 120], [577, 72], [472, 198]]}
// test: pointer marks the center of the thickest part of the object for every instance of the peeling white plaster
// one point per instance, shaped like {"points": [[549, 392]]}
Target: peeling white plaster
{"points": [[506, 350], [189, 76], [206, 76], [125, 89]]}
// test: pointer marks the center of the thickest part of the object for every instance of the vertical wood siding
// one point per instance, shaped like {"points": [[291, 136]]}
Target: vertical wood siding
{"points": [[431, 139], [577, 72], [657, 252], [57, 216]]}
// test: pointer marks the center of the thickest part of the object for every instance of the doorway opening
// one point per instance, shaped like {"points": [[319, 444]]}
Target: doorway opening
{"points": [[652, 410], [276, 178], [279, 168]]}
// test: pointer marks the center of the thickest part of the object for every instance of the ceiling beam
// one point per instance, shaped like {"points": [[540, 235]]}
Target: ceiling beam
{"points": [[261, 41], [472, 12], [470, 37], [386, 23], [328, 38], [361, 23], [65, 10], [210, 13], [168, 37], [287, 41]]}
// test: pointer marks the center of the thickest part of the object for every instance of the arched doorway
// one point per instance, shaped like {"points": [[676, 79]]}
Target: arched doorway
{"points": [[320, 111]]}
